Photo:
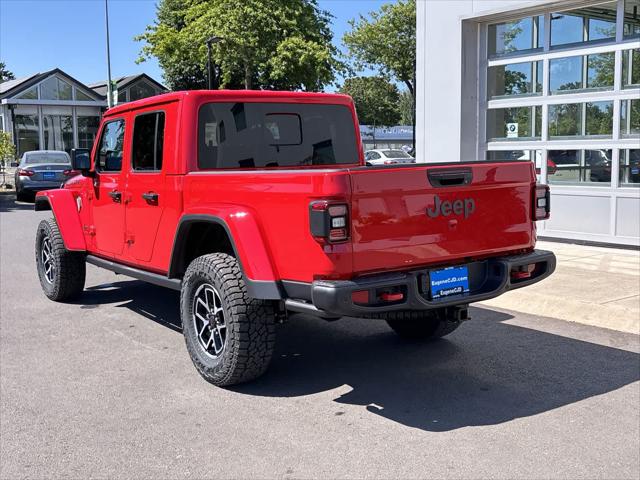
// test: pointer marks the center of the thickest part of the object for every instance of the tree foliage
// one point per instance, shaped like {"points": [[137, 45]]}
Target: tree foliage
{"points": [[271, 44], [5, 74], [376, 100], [386, 41], [405, 107], [7, 149]]}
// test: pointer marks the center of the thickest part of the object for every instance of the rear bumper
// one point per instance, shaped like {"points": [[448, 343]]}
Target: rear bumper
{"points": [[488, 279]]}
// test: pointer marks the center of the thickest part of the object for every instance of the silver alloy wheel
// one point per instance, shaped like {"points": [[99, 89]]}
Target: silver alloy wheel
{"points": [[208, 320], [48, 262]]}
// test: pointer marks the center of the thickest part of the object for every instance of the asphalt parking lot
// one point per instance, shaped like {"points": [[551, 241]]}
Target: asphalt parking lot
{"points": [[104, 388]]}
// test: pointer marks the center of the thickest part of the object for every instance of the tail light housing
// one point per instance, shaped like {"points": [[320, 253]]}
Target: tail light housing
{"points": [[329, 221], [25, 173], [390, 162], [541, 202]]}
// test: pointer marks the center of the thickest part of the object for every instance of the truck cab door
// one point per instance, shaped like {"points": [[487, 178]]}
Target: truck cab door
{"points": [[107, 204], [146, 191]]}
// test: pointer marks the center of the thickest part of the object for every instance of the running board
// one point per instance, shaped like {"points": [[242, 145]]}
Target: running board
{"points": [[143, 275]]}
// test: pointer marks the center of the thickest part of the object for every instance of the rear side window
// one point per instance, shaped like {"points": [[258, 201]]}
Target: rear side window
{"points": [[263, 135], [148, 138], [111, 142]]}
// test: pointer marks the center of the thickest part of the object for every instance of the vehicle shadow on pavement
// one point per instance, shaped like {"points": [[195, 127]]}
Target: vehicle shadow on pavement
{"points": [[158, 304], [486, 373], [8, 203]]}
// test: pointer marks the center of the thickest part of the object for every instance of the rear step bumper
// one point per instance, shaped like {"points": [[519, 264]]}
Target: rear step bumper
{"points": [[488, 279]]}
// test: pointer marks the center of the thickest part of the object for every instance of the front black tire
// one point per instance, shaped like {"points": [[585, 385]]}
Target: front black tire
{"points": [[229, 335], [422, 325], [61, 272]]}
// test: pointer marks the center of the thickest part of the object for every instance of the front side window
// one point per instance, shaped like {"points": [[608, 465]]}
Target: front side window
{"points": [[148, 139], [265, 135], [111, 144]]}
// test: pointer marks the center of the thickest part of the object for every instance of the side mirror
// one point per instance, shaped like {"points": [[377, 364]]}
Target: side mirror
{"points": [[14, 164], [81, 160]]}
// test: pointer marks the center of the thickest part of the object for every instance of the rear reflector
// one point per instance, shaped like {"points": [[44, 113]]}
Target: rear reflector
{"points": [[522, 272], [360, 296]]}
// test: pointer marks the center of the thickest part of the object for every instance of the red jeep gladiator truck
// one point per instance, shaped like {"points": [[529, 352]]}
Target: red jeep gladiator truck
{"points": [[254, 204]]}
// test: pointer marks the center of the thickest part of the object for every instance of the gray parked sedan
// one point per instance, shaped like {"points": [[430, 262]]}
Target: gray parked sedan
{"points": [[41, 170]]}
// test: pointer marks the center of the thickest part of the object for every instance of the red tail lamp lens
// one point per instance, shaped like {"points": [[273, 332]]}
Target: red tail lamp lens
{"points": [[26, 173]]}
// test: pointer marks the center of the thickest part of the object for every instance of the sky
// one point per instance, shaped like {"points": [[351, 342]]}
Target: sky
{"points": [[39, 35]]}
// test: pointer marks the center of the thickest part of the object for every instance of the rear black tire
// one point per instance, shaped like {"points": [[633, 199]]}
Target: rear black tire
{"points": [[61, 272], [21, 196], [249, 324], [421, 325]]}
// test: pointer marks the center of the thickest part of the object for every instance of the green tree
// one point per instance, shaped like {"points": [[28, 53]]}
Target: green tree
{"points": [[5, 74], [7, 149], [376, 100], [386, 41], [405, 107], [271, 44]]}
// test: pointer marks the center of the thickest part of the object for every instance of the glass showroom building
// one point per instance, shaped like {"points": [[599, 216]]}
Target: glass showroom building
{"points": [[555, 83]]}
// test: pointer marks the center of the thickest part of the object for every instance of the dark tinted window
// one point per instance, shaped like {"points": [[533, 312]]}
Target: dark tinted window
{"points": [[148, 137], [258, 135], [110, 152]]}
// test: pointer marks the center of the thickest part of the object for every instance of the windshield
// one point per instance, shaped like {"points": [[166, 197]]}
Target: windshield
{"points": [[49, 157], [396, 154], [264, 135]]}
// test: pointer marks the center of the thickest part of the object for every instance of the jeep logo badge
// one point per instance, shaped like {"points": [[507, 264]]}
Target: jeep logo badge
{"points": [[460, 207]]}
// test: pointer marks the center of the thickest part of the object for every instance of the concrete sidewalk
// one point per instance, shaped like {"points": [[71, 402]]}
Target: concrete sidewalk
{"points": [[591, 285]]}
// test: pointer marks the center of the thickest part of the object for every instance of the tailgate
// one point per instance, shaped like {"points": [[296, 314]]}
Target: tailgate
{"points": [[405, 217]]}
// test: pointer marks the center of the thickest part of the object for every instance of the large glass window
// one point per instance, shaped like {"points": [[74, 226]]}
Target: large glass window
{"points": [[515, 123], [630, 117], [111, 143], [631, 68], [80, 95], [28, 132], [30, 94], [581, 119], [58, 132], [275, 135], [630, 168], [148, 139], [579, 166], [590, 24], [632, 18], [521, 35], [55, 89], [567, 75], [515, 79], [140, 90], [87, 130]]}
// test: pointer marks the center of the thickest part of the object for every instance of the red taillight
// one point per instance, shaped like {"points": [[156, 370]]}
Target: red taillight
{"points": [[541, 202], [390, 162], [329, 221], [25, 173], [70, 173]]}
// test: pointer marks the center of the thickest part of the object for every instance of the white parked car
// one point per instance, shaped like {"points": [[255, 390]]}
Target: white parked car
{"points": [[387, 157]]}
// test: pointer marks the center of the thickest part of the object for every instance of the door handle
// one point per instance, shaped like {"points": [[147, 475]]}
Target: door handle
{"points": [[116, 196], [150, 197]]}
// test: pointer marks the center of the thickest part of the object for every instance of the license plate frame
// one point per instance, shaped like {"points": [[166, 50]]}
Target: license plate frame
{"points": [[448, 282], [48, 175]]}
